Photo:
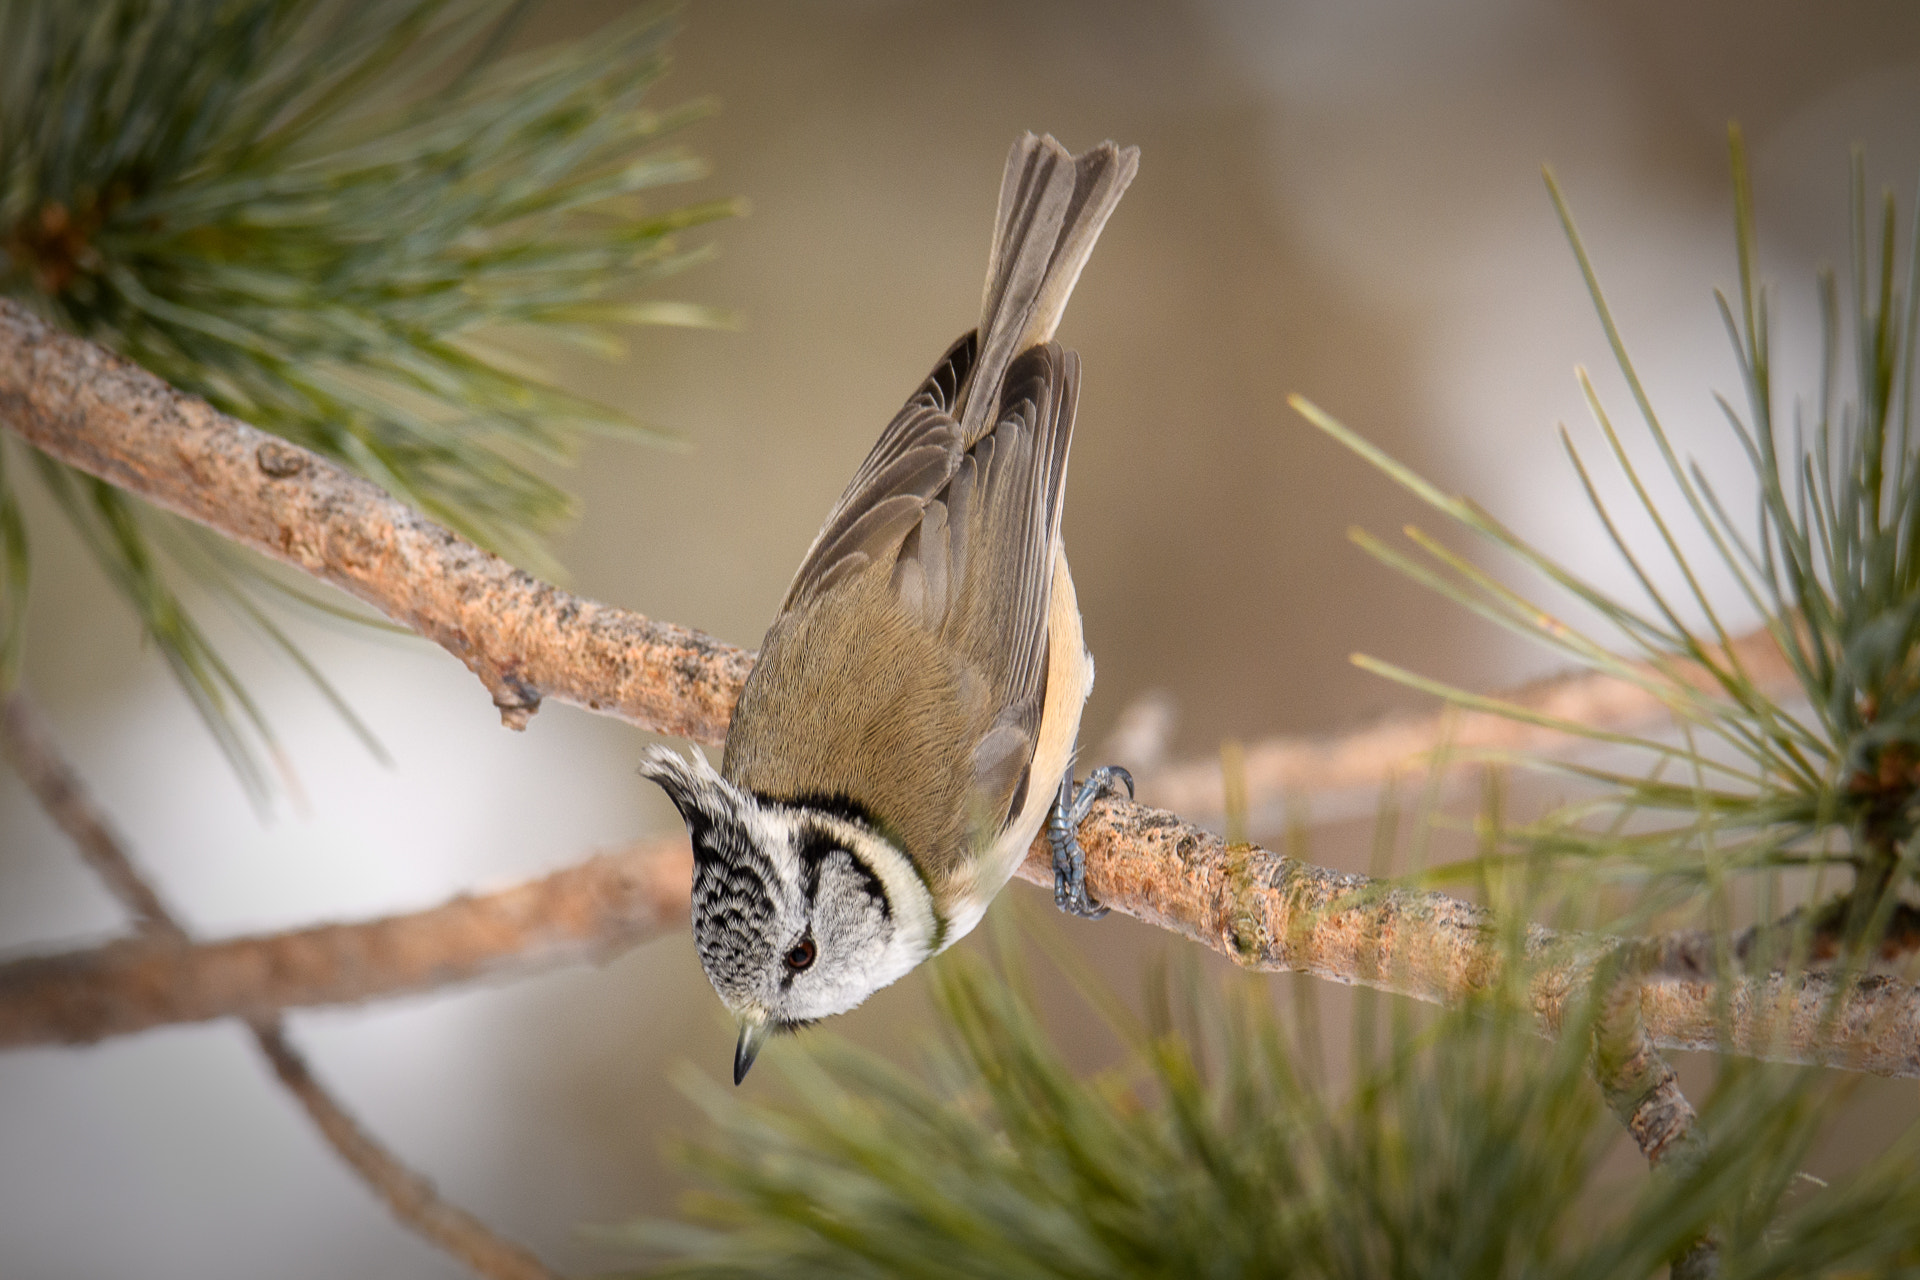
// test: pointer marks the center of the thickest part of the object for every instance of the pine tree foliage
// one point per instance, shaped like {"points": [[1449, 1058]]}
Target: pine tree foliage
{"points": [[335, 221], [1470, 1148], [1829, 561]]}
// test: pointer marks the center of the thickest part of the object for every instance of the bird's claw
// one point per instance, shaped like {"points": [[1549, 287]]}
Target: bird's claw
{"points": [[1070, 808]]}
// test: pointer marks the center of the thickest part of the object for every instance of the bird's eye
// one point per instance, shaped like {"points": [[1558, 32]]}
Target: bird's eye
{"points": [[802, 954]]}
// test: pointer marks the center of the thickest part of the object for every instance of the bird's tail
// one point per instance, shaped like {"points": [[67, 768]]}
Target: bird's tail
{"points": [[1052, 207]]}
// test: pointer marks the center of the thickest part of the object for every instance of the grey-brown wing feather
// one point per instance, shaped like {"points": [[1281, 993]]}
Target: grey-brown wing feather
{"points": [[965, 537], [915, 456], [997, 615]]}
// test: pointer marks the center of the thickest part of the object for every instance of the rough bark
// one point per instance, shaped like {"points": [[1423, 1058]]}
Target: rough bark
{"points": [[525, 639]]}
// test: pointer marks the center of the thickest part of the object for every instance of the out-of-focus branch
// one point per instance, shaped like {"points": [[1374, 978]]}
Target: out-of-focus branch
{"points": [[61, 794], [410, 1196], [526, 640], [587, 912], [1806, 935], [1339, 776]]}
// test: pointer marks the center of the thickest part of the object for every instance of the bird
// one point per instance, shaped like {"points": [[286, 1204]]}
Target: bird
{"points": [[909, 725]]}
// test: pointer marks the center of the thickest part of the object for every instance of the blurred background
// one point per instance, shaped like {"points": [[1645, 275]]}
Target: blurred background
{"points": [[1336, 198]]}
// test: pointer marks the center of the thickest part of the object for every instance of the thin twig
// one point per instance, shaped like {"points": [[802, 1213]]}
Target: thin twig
{"points": [[410, 1196], [1340, 776], [63, 796], [1642, 1090]]}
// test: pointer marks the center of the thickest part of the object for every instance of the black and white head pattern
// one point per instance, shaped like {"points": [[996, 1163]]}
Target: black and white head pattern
{"points": [[798, 911]]}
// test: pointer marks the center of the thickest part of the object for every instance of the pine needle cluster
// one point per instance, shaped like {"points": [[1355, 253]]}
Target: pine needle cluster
{"points": [[1469, 1147], [336, 221], [1829, 561]]}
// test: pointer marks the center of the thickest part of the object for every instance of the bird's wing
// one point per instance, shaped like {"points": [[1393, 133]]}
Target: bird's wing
{"points": [[915, 457]]}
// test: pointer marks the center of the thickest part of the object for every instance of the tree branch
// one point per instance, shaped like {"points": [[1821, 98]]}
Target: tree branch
{"points": [[1642, 1090], [1263, 910], [1813, 936], [30, 750], [526, 640], [1276, 914], [410, 1196]]}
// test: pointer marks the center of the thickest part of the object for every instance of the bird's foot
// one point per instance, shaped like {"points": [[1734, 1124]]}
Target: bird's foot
{"points": [[1070, 807]]}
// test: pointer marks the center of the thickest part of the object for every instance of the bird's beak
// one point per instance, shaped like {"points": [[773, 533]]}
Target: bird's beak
{"points": [[752, 1036]]}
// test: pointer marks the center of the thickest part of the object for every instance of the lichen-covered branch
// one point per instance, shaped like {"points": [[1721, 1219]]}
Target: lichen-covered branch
{"points": [[526, 640], [1273, 913]]}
